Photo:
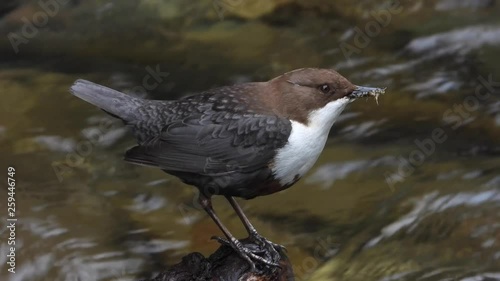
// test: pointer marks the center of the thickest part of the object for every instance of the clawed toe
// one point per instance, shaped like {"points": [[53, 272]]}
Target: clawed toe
{"points": [[263, 241], [221, 240], [247, 253]]}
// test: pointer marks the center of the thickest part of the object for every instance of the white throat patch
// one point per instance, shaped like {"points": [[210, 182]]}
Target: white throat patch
{"points": [[306, 142]]}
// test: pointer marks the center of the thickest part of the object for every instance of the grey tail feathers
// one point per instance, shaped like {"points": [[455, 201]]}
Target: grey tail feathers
{"points": [[113, 102]]}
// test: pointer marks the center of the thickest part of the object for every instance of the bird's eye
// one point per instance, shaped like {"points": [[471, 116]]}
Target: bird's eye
{"points": [[324, 88]]}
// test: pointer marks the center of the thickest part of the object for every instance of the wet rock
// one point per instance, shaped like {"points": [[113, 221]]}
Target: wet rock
{"points": [[224, 264]]}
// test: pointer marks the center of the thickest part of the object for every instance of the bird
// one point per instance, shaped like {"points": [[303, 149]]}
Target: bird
{"points": [[241, 141]]}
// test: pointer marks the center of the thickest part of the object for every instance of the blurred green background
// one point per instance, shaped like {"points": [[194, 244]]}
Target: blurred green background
{"points": [[385, 201]]}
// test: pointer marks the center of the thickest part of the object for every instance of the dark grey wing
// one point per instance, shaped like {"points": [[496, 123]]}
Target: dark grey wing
{"points": [[214, 144]]}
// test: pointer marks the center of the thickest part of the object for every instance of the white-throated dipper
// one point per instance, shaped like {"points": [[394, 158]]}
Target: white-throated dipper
{"points": [[244, 140]]}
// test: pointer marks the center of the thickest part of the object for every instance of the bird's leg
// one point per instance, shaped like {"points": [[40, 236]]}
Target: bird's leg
{"points": [[244, 252], [252, 232]]}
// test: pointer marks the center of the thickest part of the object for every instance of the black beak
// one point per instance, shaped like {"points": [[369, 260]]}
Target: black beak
{"points": [[360, 92]]}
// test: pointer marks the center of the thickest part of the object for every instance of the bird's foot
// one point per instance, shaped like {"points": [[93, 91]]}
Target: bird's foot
{"points": [[256, 237], [249, 254]]}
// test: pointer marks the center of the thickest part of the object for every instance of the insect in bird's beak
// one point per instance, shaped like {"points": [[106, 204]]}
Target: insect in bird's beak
{"points": [[361, 91]]}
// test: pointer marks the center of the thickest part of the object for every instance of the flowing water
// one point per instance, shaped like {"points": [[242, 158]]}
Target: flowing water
{"points": [[408, 189]]}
